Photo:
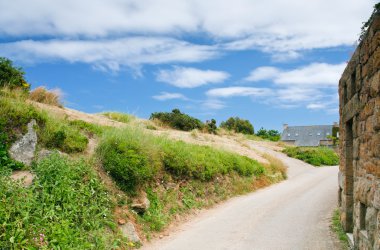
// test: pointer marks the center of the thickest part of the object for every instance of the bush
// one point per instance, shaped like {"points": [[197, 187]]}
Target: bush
{"points": [[238, 125], [272, 135], [129, 156], [11, 76], [65, 208], [211, 126], [316, 156], [50, 97], [177, 120]]}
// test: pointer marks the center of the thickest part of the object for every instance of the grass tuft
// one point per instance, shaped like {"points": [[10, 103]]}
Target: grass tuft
{"points": [[336, 227], [120, 117], [43, 95]]}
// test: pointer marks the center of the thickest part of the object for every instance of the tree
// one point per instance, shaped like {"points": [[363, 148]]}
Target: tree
{"points": [[238, 125], [272, 134], [11, 76]]}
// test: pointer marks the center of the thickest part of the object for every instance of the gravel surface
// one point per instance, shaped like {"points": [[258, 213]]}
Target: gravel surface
{"points": [[294, 214]]}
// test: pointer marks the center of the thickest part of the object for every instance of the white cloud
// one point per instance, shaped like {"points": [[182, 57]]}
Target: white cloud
{"points": [[164, 96], [238, 91], [109, 54], [315, 74], [316, 106], [262, 73], [213, 104], [183, 77], [269, 25]]}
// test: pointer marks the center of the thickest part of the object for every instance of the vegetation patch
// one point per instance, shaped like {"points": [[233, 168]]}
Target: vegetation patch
{"points": [[177, 120], [316, 156], [120, 117], [238, 125], [271, 134], [336, 227], [50, 97], [53, 132], [65, 208]]}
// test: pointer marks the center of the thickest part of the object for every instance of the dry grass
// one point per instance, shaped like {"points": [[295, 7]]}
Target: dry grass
{"points": [[50, 97], [276, 165]]}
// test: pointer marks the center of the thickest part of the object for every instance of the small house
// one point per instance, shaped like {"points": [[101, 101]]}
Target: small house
{"points": [[309, 136]]}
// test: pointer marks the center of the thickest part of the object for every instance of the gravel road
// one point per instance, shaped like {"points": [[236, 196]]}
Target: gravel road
{"points": [[294, 214]]}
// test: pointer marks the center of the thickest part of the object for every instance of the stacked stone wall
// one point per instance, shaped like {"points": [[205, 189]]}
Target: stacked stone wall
{"points": [[359, 177]]}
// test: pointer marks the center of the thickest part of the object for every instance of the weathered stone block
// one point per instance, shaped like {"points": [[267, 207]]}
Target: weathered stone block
{"points": [[375, 85], [23, 149]]}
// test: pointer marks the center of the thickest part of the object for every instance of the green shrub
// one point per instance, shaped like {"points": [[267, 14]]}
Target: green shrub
{"points": [[11, 76], [65, 208], [60, 135], [272, 135], [6, 163], [177, 120], [211, 126], [120, 117], [129, 156], [238, 125], [315, 156]]}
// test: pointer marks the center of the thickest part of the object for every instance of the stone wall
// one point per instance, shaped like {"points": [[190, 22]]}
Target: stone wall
{"points": [[359, 177]]}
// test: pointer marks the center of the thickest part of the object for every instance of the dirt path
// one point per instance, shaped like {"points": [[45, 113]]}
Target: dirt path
{"points": [[294, 214]]}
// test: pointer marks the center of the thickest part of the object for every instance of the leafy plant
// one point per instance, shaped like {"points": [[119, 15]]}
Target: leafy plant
{"points": [[238, 125], [65, 208], [11, 76], [376, 10], [177, 120]]}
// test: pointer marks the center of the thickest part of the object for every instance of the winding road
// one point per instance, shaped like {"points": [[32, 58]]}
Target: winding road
{"points": [[294, 214]]}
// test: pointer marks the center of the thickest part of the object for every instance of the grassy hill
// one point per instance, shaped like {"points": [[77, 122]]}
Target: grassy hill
{"points": [[83, 191]]}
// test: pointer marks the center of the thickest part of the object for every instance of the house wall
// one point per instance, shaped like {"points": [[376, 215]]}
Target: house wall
{"points": [[359, 176]]}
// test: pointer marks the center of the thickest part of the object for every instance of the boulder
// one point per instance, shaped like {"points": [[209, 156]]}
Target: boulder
{"points": [[26, 177], [141, 203], [128, 230], [23, 149]]}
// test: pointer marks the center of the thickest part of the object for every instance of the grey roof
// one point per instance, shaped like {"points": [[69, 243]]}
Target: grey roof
{"points": [[307, 135]]}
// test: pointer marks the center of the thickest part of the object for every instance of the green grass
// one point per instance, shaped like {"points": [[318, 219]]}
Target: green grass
{"points": [[133, 158], [336, 227], [316, 156], [120, 117], [65, 208]]}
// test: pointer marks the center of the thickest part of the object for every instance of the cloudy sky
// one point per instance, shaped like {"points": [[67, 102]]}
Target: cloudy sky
{"points": [[271, 62]]}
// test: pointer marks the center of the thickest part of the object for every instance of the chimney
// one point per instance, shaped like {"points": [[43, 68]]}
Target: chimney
{"points": [[285, 126]]}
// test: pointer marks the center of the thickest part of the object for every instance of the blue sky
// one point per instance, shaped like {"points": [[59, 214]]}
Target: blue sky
{"points": [[271, 62]]}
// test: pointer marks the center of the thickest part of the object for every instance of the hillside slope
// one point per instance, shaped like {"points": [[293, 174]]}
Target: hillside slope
{"points": [[138, 180]]}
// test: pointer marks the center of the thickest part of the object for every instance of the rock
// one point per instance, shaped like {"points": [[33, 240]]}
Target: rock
{"points": [[25, 176], [121, 222], [44, 153], [23, 149], [141, 203], [128, 230]]}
